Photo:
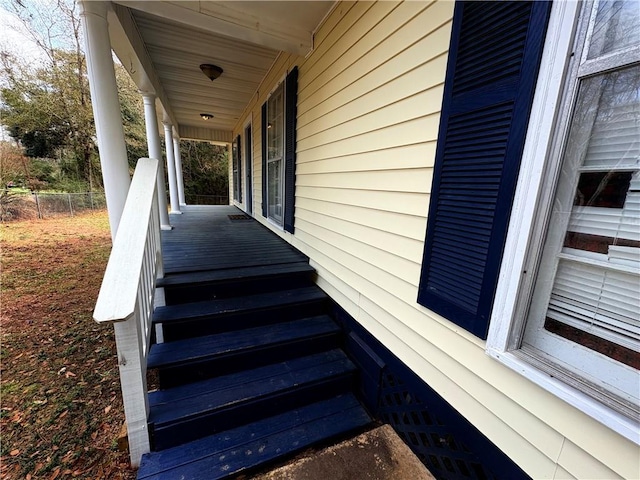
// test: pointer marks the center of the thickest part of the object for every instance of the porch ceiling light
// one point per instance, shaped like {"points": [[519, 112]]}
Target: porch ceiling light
{"points": [[211, 71], [206, 116]]}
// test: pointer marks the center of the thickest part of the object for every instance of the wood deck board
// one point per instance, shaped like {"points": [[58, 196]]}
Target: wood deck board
{"points": [[196, 400], [256, 302], [254, 453], [205, 238], [167, 461], [231, 274], [228, 343]]}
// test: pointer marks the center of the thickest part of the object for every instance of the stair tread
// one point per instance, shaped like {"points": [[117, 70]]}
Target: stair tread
{"points": [[236, 305], [231, 274], [230, 343], [189, 401], [232, 451]]}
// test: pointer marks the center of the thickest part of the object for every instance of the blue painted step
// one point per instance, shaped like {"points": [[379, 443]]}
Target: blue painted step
{"points": [[209, 285], [227, 453], [196, 359], [195, 410], [205, 318]]}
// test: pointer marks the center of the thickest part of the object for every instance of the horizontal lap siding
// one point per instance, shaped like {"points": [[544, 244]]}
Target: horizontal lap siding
{"points": [[369, 98]]}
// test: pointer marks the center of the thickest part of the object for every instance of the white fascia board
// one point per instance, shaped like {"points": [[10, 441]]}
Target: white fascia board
{"points": [[231, 22], [129, 47], [188, 132]]}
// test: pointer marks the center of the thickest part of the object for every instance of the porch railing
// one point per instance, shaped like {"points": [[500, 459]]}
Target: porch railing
{"points": [[127, 294]]}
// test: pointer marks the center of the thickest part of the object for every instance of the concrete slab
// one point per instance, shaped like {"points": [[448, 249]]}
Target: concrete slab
{"points": [[378, 454]]}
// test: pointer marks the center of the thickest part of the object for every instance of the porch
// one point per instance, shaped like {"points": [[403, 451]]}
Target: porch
{"points": [[222, 237]]}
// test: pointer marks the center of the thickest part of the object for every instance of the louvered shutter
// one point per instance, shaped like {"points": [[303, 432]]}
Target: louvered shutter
{"points": [[291, 110], [494, 59], [264, 159]]}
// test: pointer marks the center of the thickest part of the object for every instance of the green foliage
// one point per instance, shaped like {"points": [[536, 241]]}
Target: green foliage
{"points": [[132, 116], [205, 168], [47, 110]]}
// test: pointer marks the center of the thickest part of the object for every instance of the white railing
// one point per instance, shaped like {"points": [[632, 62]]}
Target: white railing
{"points": [[127, 294]]}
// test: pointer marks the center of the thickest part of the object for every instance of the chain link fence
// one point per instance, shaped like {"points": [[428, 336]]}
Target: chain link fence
{"points": [[24, 206]]}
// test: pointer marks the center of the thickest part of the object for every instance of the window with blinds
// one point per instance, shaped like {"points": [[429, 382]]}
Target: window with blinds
{"points": [[584, 319]]}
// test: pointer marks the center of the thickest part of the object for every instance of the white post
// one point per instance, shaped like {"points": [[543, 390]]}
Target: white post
{"points": [[171, 168], [133, 383], [179, 178], [106, 109], [155, 151], [231, 185]]}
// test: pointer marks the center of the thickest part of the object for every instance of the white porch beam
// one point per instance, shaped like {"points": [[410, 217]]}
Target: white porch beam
{"points": [[171, 168], [132, 53], [155, 151], [106, 109], [188, 132], [233, 20], [179, 176], [230, 172]]}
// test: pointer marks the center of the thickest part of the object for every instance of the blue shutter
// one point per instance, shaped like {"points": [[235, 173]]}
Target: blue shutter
{"points": [[494, 59], [239, 142], [291, 111], [264, 159]]}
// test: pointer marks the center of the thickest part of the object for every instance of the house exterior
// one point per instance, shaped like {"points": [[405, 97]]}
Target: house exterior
{"points": [[464, 178]]}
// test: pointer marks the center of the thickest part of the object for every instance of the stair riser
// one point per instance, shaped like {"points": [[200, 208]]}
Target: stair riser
{"points": [[209, 325], [175, 295], [167, 436], [195, 371]]}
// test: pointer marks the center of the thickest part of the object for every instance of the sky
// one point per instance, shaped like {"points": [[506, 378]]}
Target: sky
{"points": [[14, 39]]}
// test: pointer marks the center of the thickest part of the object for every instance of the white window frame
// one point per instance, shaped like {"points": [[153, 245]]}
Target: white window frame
{"points": [[508, 315], [236, 173], [248, 123], [280, 84]]}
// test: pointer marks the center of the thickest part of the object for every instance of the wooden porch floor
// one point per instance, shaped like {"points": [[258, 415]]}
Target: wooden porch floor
{"points": [[206, 238]]}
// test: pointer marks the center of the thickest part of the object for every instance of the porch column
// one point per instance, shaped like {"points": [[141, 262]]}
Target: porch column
{"points": [[106, 109], [171, 168], [179, 177], [155, 151], [232, 185]]}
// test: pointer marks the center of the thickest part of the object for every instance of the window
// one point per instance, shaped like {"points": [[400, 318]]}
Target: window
{"points": [[275, 155], [567, 309], [585, 310], [237, 169], [279, 115]]}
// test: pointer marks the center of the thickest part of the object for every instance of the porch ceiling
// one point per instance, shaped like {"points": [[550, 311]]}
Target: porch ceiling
{"points": [[162, 44]]}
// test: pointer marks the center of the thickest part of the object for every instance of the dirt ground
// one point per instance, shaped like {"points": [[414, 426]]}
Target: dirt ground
{"points": [[60, 403]]}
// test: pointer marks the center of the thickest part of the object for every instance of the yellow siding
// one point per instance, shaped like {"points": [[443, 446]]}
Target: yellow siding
{"points": [[368, 113]]}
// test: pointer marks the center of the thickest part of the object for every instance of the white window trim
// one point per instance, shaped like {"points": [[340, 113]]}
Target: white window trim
{"points": [[506, 325], [281, 81], [247, 123], [236, 202]]}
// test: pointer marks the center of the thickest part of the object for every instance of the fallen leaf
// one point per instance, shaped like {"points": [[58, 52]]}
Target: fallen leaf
{"points": [[69, 374], [15, 452], [107, 409]]}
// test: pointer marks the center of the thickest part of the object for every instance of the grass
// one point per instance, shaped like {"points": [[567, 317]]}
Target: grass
{"points": [[60, 404]]}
